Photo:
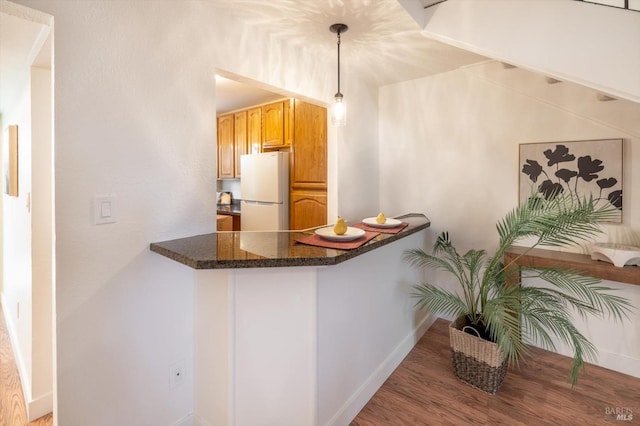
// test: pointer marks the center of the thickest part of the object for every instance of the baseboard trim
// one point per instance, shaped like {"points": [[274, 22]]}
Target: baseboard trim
{"points": [[40, 406], [199, 421], [369, 387], [188, 420], [15, 347], [35, 407], [621, 363]]}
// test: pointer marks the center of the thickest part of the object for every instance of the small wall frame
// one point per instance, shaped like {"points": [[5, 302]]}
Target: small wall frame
{"points": [[10, 156], [583, 168]]}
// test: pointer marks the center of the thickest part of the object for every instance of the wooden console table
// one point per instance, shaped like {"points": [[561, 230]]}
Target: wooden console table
{"points": [[581, 262]]}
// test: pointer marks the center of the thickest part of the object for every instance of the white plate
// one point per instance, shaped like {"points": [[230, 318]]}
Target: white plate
{"points": [[390, 223], [351, 234]]}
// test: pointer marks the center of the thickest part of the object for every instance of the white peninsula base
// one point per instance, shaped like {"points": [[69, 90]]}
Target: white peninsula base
{"points": [[302, 345]]}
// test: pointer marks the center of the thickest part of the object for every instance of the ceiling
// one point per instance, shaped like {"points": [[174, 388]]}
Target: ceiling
{"points": [[232, 95], [383, 44]]}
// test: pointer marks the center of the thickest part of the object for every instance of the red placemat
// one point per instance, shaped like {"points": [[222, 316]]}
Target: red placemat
{"points": [[393, 230], [316, 240]]}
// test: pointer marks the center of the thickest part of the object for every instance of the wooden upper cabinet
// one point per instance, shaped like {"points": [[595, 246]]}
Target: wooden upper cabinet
{"points": [[273, 125], [226, 144], [289, 124], [254, 130], [309, 162], [240, 139]]}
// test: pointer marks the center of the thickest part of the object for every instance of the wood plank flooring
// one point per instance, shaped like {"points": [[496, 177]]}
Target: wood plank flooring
{"points": [[12, 408], [424, 391]]}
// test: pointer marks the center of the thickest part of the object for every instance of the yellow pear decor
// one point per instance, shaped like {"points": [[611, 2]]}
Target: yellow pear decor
{"points": [[381, 218], [340, 227]]}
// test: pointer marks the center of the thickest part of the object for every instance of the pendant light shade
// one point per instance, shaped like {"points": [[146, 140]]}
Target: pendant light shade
{"points": [[338, 110]]}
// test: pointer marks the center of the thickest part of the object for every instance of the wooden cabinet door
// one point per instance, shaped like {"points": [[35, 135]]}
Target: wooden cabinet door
{"points": [[309, 162], [308, 209], [254, 130], [289, 114], [226, 158], [308, 174], [240, 139], [224, 222], [273, 124]]}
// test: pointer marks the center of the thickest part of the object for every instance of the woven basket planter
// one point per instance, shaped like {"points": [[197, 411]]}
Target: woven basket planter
{"points": [[476, 361]]}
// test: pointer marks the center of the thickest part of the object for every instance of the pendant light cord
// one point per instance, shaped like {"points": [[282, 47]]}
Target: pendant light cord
{"points": [[338, 109], [338, 29], [338, 64]]}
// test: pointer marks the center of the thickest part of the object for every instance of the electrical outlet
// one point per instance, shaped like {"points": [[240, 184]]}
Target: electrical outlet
{"points": [[177, 373]]}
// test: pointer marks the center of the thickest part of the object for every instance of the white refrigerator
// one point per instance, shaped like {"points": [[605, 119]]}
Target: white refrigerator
{"points": [[264, 189]]}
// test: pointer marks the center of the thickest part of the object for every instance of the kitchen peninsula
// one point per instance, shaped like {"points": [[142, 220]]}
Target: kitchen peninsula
{"points": [[294, 334]]}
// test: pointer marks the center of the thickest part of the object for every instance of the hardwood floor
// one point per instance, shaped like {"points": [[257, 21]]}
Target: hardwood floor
{"points": [[424, 391], [12, 408]]}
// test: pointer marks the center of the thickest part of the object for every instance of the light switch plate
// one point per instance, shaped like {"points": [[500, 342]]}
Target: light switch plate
{"points": [[104, 209]]}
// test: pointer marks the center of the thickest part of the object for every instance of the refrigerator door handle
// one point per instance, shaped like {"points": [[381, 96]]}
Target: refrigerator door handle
{"points": [[259, 202]]}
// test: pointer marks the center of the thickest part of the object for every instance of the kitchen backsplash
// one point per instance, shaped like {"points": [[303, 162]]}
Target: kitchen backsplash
{"points": [[230, 185]]}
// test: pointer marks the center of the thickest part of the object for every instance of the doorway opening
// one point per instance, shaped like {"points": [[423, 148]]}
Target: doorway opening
{"points": [[253, 118], [27, 252]]}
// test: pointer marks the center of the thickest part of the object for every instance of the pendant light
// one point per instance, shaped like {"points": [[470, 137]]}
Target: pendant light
{"points": [[338, 110]]}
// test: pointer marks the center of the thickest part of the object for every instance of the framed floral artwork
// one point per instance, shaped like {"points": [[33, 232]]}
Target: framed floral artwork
{"points": [[582, 168]]}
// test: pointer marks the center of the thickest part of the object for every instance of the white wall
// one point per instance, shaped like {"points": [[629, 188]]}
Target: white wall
{"points": [[135, 117], [458, 156], [133, 114], [355, 155]]}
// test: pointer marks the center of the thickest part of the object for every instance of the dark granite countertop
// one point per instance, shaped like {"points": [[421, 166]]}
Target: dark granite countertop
{"points": [[232, 209], [241, 249]]}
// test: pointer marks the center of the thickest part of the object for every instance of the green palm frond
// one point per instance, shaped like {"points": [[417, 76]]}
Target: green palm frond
{"points": [[558, 323], [435, 299], [501, 317], [465, 268], [417, 257], [582, 308], [513, 314], [561, 221], [588, 290]]}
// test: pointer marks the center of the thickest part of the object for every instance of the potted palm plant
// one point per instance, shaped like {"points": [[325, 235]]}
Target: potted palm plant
{"points": [[495, 314]]}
